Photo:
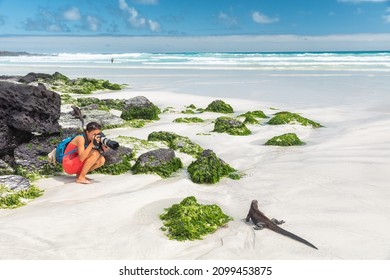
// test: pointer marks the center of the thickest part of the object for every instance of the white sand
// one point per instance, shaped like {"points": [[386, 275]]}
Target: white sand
{"points": [[333, 191]]}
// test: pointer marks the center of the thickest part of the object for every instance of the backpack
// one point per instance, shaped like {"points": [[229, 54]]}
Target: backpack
{"points": [[60, 150]]}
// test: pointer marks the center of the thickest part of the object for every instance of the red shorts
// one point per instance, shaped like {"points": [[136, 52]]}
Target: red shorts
{"points": [[72, 166], [71, 162]]}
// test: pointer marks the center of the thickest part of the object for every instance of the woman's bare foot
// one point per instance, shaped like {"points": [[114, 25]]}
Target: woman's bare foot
{"points": [[88, 179], [83, 181]]}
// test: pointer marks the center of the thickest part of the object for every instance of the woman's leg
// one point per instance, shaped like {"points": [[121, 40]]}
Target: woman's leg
{"points": [[91, 162], [99, 163]]}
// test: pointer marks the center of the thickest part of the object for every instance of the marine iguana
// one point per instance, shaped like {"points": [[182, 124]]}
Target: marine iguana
{"points": [[78, 115], [261, 222]]}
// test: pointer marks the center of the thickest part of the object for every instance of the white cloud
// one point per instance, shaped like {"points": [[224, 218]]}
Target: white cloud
{"points": [[135, 19], [123, 5], [263, 19], [146, 2], [386, 18], [93, 23], [54, 28], [227, 19], [154, 26], [72, 14]]}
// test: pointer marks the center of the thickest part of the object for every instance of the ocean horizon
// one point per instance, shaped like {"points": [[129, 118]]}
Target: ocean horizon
{"points": [[378, 61]]}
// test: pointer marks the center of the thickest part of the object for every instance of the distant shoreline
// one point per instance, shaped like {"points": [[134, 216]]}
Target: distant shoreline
{"points": [[8, 53]]}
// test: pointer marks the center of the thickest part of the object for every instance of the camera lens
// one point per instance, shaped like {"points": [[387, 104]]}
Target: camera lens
{"points": [[107, 142]]}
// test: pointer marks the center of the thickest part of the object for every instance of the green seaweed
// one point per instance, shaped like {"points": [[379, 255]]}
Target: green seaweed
{"points": [[209, 169], [230, 126], [250, 120], [137, 123], [164, 170], [36, 174], [63, 84], [66, 98], [146, 113], [288, 139], [192, 106], [188, 120], [219, 106], [289, 118], [177, 142], [168, 109], [116, 168], [255, 114], [103, 104], [136, 143], [12, 199], [188, 112], [190, 220]]}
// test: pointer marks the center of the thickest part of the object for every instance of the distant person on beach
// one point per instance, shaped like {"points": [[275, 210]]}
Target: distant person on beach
{"points": [[112, 60], [83, 153]]}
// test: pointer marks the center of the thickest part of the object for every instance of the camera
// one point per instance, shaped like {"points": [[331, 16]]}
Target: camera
{"points": [[107, 142]]}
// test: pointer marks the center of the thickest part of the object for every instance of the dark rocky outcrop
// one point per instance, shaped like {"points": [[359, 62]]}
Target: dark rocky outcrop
{"points": [[5, 168], [34, 77], [29, 108], [161, 161], [105, 118], [14, 182], [117, 161], [140, 107], [10, 138], [32, 156]]}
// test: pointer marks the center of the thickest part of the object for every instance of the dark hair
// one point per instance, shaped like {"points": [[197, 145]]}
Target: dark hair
{"points": [[93, 126]]}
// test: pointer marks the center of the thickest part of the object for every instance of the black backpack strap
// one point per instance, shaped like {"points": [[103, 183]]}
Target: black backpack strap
{"points": [[84, 134]]}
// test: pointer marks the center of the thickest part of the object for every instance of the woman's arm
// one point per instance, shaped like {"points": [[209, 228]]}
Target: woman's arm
{"points": [[83, 152]]}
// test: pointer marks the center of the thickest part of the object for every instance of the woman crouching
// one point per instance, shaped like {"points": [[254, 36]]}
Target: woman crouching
{"points": [[83, 153]]}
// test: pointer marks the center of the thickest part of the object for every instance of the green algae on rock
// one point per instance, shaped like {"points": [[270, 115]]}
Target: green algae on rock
{"points": [[10, 199], [250, 120], [255, 114], [101, 104], [136, 143], [188, 112], [230, 126], [291, 118], [219, 106], [177, 142], [191, 106], [288, 139], [140, 107], [117, 161], [161, 161], [209, 169], [190, 220], [61, 83], [188, 120]]}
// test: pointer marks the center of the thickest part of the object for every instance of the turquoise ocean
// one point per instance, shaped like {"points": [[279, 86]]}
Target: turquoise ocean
{"points": [[354, 61], [299, 78]]}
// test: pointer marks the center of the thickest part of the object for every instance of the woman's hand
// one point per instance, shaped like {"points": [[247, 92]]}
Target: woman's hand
{"points": [[96, 141]]}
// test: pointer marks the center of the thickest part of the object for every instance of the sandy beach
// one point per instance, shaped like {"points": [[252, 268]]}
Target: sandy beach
{"points": [[333, 191]]}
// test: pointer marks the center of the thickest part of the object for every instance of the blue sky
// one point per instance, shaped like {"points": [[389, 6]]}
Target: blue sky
{"points": [[193, 17]]}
